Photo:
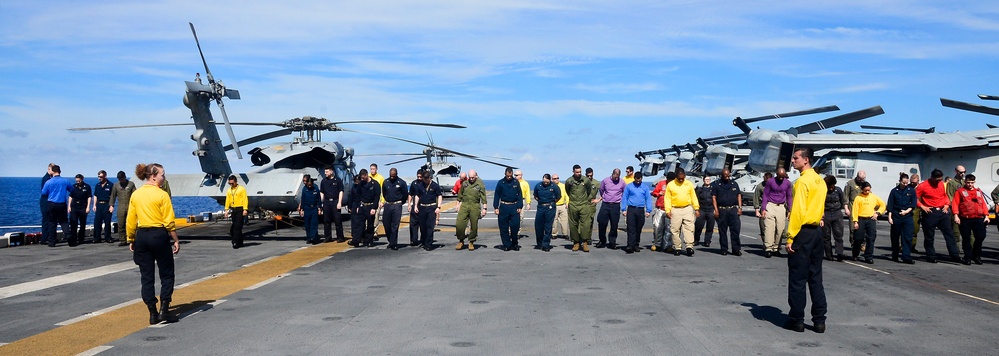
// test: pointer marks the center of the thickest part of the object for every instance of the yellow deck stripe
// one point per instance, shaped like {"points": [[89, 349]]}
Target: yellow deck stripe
{"points": [[79, 337]]}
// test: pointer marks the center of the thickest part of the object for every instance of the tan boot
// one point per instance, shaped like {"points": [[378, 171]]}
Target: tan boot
{"points": [[459, 246], [575, 247], [471, 246], [586, 247], [654, 248]]}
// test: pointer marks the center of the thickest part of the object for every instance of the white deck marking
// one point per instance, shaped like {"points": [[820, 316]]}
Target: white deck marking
{"points": [[259, 262], [95, 351], [316, 262], [972, 297], [34, 286], [266, 282], [865, 267], [202, 308], [199, 280]]}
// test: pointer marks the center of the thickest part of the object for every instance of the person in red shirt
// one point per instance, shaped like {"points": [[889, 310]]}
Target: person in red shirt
{"points": [[931, 198], [457, 185], [660, 224], [971, 212]]}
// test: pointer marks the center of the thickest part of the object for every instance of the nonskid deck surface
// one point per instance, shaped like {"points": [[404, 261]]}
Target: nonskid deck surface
{"points": [[279, 295]]}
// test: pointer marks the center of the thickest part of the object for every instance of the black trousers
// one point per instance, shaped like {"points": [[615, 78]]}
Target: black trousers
{"points": [[804, 266], [729, 225], [57, 216], [358, 225], [43, 207], [969, 226], [635, 220], [427, 217], [154, 247], [938, 219], [391, 217], [102, 223], [707, 219], [236, 229], [77, 226], [414, 227], [609, 213], [866, 233], [369, 221], [332, 216], [832, 232]]}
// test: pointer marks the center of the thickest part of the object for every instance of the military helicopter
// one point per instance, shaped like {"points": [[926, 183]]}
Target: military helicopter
{"points": [[275, 184], [446, 173], [883, 156]]}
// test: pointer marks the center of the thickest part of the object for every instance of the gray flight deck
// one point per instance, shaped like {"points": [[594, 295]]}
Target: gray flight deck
{"points": [[408, 302]]}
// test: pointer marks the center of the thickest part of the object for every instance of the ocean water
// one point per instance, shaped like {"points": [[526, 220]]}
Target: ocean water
{"points": [[20, 210]]}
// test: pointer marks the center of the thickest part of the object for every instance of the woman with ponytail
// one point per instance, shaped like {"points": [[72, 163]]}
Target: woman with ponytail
{"points": [[152, 239]]}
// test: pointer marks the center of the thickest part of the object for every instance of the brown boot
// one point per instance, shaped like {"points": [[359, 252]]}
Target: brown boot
{"points": [[575, 247], [459, 246], [586, 247], [471, 246]]}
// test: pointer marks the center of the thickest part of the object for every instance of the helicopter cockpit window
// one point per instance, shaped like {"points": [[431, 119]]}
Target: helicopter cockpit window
{"points": [[844, 167], [648, 169]]}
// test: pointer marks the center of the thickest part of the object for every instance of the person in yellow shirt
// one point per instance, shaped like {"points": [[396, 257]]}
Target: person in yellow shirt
{"points": [[682, 209], [237, 206], [866, 208], [806, 245], [150, 227], [377, 177], [629, 175], [526, 191], [561, 225]]}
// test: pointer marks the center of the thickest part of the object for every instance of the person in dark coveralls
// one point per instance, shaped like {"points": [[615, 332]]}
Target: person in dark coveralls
{"points": [[43, 203], [308, 207], [57, 189], [414, 226], [427, 205], [356, 218], [471, 197], [121, 194], [636, 205], [901, 204], [396, 195], [707, 218], [805, 245], [507, 202], [102, 208], [971, 213], [362, 219], [149, 232], [546, 194], [80, 200], [726, 199], [236, 206], [832, 220], [331, 189]]}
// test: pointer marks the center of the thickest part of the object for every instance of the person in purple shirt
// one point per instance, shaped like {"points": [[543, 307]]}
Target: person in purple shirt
{"points": [[637, 206], [611, 191], [57, 189], [775, 205]]}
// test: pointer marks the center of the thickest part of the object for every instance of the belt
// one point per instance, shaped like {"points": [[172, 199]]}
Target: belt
{"points": [[367, 204], [612, 202], [867, 217], [938, 209], [152, 228], [102, 202], [635, 207], [330, 199], [431, 204], [508, 202], [681, 207], [810, 226], [545, 204], [778, 203], [394, 202], [971, 217], [728, 207]]}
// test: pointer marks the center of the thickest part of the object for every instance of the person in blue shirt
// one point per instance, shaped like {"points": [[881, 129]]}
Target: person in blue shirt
{"points": [[546, 194], [309, 209], [636, 206], [57, 190], [507, 202], [901, 204], [102, 208]]}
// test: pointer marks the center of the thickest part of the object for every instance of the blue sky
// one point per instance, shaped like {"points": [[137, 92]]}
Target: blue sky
{"points": [[548, 84]]}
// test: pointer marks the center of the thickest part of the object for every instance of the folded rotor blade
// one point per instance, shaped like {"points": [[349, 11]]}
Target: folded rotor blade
{"points": [[873, 127], [390, 154], [837, 120], [969, 107], [405, 160], [452, 126], [494, 163], [793, 113], [988, 97], [228, 128], [125, 127], [258, 138], [413, 142], [208, 73]]}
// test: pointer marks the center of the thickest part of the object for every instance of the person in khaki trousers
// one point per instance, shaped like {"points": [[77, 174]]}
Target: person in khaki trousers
{"points": [[682, 209], [775, 206], [561, 225]]}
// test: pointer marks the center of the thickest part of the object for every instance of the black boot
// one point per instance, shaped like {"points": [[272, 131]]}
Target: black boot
{"points": [[166, 315], [154, 317]]}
